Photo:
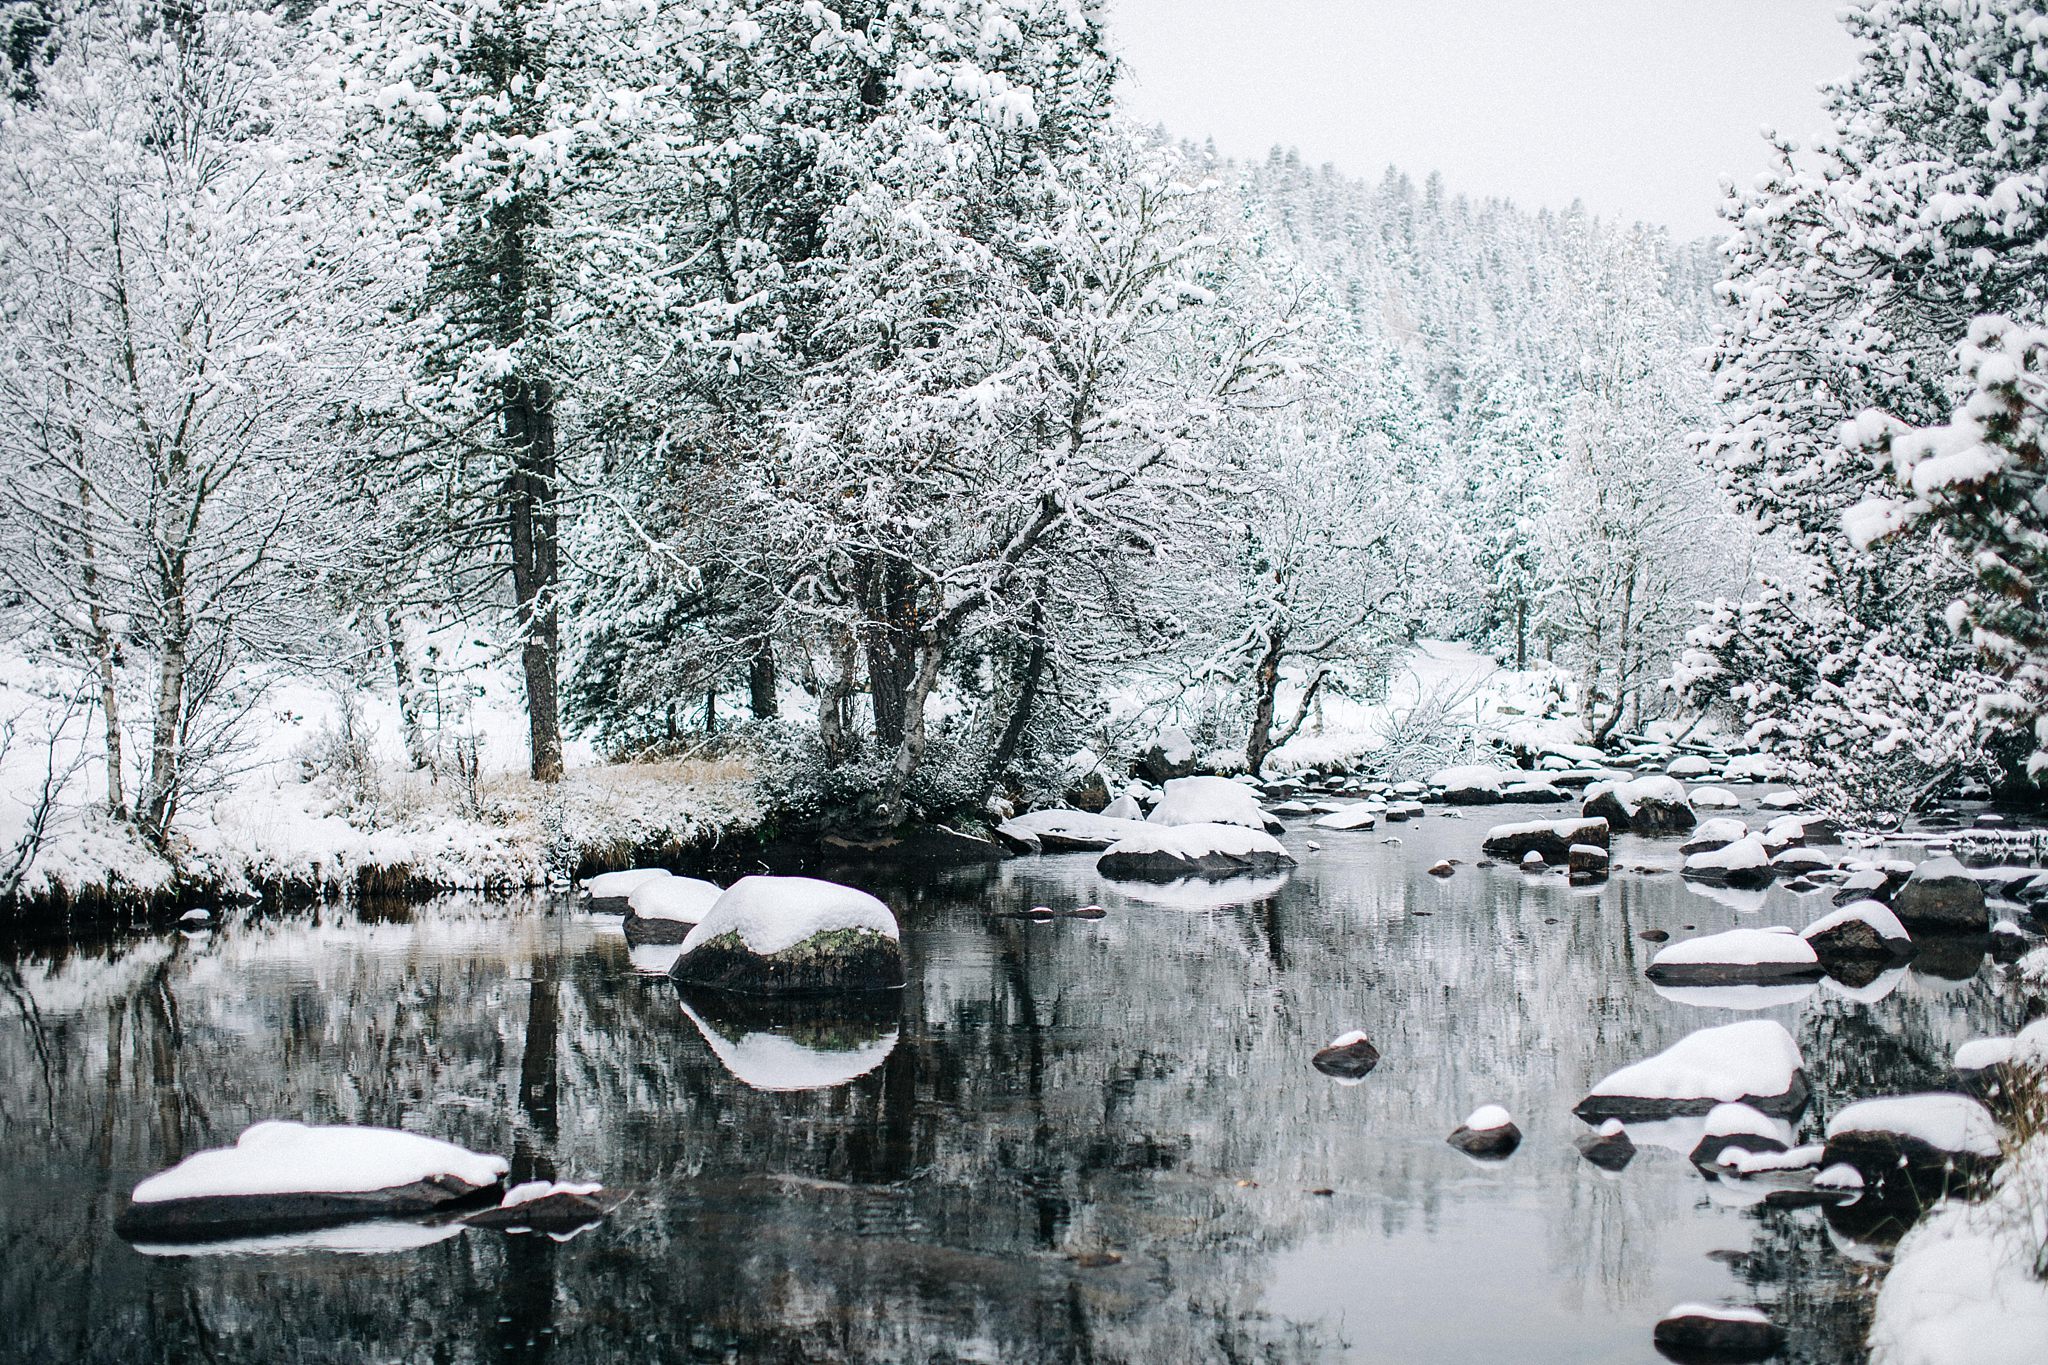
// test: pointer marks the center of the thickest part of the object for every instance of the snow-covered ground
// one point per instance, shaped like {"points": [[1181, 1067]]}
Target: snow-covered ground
{"points": [[280, 809]]}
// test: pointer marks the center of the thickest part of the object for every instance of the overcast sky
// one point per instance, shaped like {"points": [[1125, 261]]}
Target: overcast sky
{"points": [[1637, 107]]}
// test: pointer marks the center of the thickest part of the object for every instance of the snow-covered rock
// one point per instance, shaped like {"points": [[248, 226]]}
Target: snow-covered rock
{"points": [[1742, 863], [1645, 805], [1210, 801], [1474, 784], [792, 935], [1488, 1133], [609, 891], [1738, 956], [1703, 1333], [1942, 898], [1913, 1148], [1860, 931], [1983, 1066], [1754, 1062], [1688, 766], [1739, 1128], [1364, 815], [1170, 852], [1170, 755], [1069, 831], [1125, 807], [1550, 839], [663, 909], [1713, 798], [1348, 1056], [1609, 1146], [558, 1208], [283, 1174], [1715, 832], [1753, 768]]}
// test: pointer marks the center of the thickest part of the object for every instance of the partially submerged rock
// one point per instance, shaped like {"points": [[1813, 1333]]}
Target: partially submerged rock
{"points": [[793, 935], [1736, 957], [1914, 1148], [1551, 840], [610, 891], [1348, 1056], [1863, 931], [1609, 1146], [1716, 832], [665, 909], [1941, 897], [1363, 815], [282, 1175], [1646, 805], [1754, 1062], [1068, 831], [1487, 1133], [1703, 1334], [1744, 863], [1168, 853], [1587, 862], [1474, 784], [556, 1208], [1738, 1127]]}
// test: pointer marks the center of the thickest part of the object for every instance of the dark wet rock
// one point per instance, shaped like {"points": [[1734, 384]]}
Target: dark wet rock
{"points": [[171, 1220], [1441, 869], [1552, 840], [842, 960], [1707, 1151], [1169, 853], [1647, 806], [1707, 1068], [642, 930], [1088, 912], [1089, 792], [1859, 932], [1653, 935], [1533, 793], [1348, 1057], [1914, 1149], [1018, 839], [1588, 861], [2008, 944], [1871, 884], [1709, 1336], [1488, 1144], [1942, 898], [1169, 756], [562, 1211], [1610, 1151]]}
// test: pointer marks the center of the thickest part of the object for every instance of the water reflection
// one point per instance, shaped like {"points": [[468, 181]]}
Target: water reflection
{"points": [[1065, 1139], [795, 1044]]}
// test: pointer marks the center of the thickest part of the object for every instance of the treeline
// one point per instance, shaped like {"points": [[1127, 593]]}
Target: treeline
{"points": [[843, 369]]}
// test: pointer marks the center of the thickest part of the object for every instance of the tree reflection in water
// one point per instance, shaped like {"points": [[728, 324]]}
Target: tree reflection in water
{"points": [[1065, 1140]]}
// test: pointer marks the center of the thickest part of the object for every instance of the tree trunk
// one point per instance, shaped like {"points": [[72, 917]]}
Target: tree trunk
{"points": [[535, 527], [1265, 696], [929, 654], [1521, 635], [160, 797], [1027, 700], [417, 751], [833, 693], [889, 639], [761, 682]]}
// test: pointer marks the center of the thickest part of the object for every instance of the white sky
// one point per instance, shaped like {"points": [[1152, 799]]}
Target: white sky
{"points": [[1637, 107]]}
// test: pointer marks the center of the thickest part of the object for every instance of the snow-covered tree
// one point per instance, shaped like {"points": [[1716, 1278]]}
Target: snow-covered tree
{"points": [[186, 285]]}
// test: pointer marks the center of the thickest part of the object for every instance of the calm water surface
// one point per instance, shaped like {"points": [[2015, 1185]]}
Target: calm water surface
{"points": [[1075, 1141]]}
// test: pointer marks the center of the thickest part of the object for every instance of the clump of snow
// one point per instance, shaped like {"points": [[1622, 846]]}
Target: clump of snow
{"points": [[282, 1157], [528, 1191], [1947, 1123], [1719, 1312], [1486, 1118], [771, 914], [1611, 1128], [1979, 1053], [685, 900], [1357, 1035], [1125, 807], [1739, 947], [1208, 801], [1840, 1176], [1729, 1120], [1730, 1062], [619, 885]]}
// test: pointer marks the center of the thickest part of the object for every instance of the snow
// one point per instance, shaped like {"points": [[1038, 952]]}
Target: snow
{"points": [[1486, 1118], [1689, 766], [1980, 1053], [1726, 1120], [1636, 791], [617, 885], [1739, 947], [1746, 854], [1947, 1123], [1357, 1035], [527, 1191], [1476, 777], [1208, 801], [685, 900], [1196, 841], [1364, 815], [1961, 1289], [1715, 798], [1719, 1312], [1720, 830], [1873, 913], [772, 914], [281, 1157], [1125, 807], [769, 1060], [1728, 1062], [1840, 1176], [1076, 825]]}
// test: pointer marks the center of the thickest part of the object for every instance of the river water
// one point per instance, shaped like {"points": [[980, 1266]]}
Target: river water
{"points": [[1076, 1140]]}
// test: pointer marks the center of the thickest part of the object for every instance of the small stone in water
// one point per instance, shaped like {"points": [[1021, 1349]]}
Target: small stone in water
{"points": [[1441, 869], [1088, 912], [1324, 1192], [1653, 935]]}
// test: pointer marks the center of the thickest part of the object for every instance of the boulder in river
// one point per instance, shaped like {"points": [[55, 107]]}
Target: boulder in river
{"points": [[1211, 801], [1735, 957], [1645, 805], [1941, 897], [1709, 1334], [1348, 1056], [1737, 1126], [1913, 1149], [1487, 1133], [1744, 863], [1754, 1062], [1473, 784], [1609, 1146], [1171, 852], [1863, 931], [610, 891], [546, 1206], [793, 935], [664, 910], [1552, 840], [1170, 755], [282, 1175]]}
